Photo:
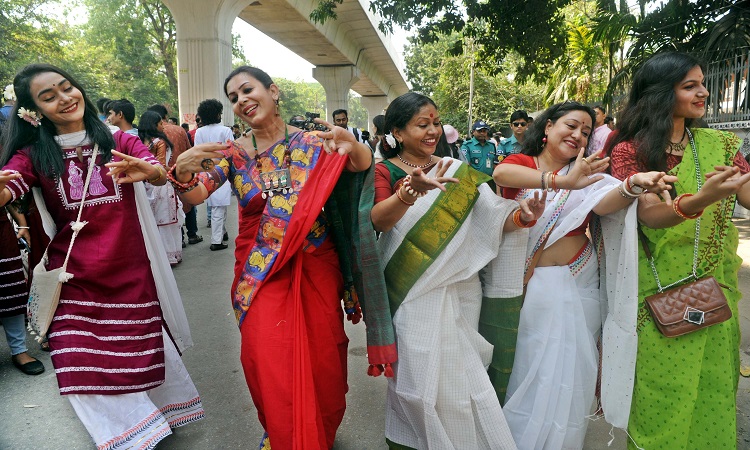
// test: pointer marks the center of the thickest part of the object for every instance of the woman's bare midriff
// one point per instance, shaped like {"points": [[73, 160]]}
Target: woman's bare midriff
{"points": [[561, 252]]}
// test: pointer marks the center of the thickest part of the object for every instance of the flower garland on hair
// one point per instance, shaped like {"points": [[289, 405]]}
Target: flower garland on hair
{"points": [[29, 116], [390, 140]]}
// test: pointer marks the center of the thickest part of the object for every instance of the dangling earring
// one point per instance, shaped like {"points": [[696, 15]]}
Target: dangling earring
{"points": [[276, 101], [544, 141]]}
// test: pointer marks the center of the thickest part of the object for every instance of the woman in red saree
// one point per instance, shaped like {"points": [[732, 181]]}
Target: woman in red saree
{"points": [[288, 281]]}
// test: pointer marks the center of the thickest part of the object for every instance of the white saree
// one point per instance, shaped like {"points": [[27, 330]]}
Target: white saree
{"points": [[552, 384], [441, 396]]}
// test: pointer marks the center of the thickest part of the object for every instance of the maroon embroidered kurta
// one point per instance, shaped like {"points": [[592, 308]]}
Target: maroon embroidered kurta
{"points": [[106, 337]]}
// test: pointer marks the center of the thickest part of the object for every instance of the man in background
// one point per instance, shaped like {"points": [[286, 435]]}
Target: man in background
{"points": [[519, 123], [601, 131], [479, 152], [341, 119], [121, 113]]}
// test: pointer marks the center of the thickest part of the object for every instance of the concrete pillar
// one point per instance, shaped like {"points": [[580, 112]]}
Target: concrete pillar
{"points": [[336, 80], [204, 52], [374, 104]]}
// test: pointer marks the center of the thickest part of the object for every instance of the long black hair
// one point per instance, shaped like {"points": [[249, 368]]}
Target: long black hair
{"points": [[533, 142], [47, 155], [147, 128], [647, 119], [399, 113]]}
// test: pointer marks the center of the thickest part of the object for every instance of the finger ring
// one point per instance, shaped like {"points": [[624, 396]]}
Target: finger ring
{"points": [[586, 161], [207, 164]]}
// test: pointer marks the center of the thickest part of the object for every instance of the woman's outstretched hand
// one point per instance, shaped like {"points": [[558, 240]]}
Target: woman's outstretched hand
{"points": [[6, 176], [580, 174], [655, 183], [194, 160], [533, 208], [131, 169], [336, 139], [422, 183], [722, 182]]}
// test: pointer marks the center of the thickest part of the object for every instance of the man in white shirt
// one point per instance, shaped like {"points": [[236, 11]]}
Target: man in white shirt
{"points": [[341, 119], [601, 131]]}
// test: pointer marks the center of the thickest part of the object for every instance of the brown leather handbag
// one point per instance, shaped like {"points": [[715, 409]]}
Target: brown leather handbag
{"points": [[686, 306], [689, 307]]}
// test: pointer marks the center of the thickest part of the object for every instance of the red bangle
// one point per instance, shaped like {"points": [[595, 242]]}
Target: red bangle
{"points": [[520, 223], [680, 212], [180, 187], [398, 194]]}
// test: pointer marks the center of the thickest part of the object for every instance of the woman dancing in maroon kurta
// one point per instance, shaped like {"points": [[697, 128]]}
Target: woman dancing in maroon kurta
{"points": [[112, 356]]}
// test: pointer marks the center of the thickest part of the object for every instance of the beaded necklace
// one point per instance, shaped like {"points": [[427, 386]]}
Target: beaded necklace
{"points": [[279, 180], [429, 162]]}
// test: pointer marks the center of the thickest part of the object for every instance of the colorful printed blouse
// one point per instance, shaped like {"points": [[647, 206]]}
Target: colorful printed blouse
{"points": [[244, 174]]}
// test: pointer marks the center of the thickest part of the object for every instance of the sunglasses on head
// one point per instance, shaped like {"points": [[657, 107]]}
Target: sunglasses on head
{"points": [[519, 124]]}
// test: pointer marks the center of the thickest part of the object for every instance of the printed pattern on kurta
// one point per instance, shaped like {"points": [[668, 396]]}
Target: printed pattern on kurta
{"points": [[106, 337], [13, 292]]}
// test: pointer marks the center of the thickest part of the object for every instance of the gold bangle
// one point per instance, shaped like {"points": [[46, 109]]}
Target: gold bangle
{"points": [[158, 176]]}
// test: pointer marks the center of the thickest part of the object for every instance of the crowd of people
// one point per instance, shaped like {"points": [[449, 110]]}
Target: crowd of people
{"points": [[502, 283]]}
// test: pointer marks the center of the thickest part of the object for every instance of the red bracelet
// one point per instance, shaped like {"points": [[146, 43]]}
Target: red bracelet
{"points": [[520, 223], [680, 212], [398, 194], [180, 187]]}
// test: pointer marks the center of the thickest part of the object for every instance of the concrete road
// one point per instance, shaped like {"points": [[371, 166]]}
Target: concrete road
{"points": [[35, 416]]}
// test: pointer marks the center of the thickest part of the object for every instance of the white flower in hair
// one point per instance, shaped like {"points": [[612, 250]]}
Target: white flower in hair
{"points": [[390, 140], [9, 93], [29, 116]]}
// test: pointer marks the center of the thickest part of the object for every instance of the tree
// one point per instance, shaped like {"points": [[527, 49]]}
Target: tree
{"points": [[445, 78], [141, 48], [712, 29], [579, 73], [533, 28], [26, 36]]}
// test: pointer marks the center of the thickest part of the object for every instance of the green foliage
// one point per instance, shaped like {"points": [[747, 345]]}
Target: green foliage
{"points": [[711, 29], [433, 71], [299, 97], [533, 28], [580, 73], [27, 36]]}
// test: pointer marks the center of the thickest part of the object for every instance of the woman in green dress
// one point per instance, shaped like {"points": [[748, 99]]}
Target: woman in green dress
{"points": [[685, 389]]}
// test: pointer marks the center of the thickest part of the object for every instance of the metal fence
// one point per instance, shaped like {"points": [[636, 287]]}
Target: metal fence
{"points": [[729, 99]]}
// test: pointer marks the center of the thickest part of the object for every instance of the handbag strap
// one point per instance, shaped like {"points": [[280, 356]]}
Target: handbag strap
{"points": [[644, 241], [78, 225]]}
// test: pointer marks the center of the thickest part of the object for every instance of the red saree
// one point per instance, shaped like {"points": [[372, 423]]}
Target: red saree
{"points": [[287, 295]]}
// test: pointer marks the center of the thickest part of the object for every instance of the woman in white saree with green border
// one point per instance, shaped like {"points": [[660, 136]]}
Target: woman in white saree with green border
{"points": [[434, 246]]}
